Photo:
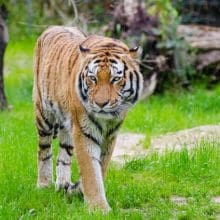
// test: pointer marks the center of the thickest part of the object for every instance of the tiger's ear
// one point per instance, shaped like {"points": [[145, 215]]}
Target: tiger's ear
{"points": [[133, 52], [84, 49]]}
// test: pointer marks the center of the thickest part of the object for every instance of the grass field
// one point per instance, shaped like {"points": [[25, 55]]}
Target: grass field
{"points": [[142, 188]]}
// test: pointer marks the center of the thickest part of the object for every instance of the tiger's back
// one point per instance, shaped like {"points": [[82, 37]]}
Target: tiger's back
{"points": [[83, 88], [56, 60]]}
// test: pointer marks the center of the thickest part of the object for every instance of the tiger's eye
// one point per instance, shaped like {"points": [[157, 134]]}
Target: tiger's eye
{"points": [[93, 78], [116, 79]]}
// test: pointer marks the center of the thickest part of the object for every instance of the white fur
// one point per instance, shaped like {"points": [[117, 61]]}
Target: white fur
{"points": [[45, 169], [63, 172], [117, 69]]}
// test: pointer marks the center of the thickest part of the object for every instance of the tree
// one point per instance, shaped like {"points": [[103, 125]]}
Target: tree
{"points": [[3, 44]]}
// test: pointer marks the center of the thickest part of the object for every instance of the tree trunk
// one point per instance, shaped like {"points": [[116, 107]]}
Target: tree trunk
{"points": [[3, 44]]}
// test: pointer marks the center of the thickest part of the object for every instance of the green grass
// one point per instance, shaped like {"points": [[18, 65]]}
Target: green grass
{"points": [[139, 190], [175, 111]]}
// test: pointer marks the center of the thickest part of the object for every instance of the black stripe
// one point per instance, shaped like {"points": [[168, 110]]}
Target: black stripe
{"points": [[113, 129], [116, 56], [110, 45], [97, 61], [47, 157], [63, 162], [50, 126], [131, 89], [137, 88], [113, 61], [125, 68], [68, 148], [43, 133], [80, 87], [39, 120], [61, 127], [44, 146], [100, 55], [39, 124], [89, 136], [131, 80], [97, 125], [85, 90], [115, 114], [55, 132]]}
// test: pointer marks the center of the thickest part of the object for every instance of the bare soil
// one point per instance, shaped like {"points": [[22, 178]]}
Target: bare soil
{"points": [[130, 145]]}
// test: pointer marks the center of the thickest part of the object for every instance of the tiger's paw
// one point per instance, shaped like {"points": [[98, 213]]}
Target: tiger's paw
{"points": [[104, 207], [73, 189], [44, 183], [61, 185], [69, 188]]}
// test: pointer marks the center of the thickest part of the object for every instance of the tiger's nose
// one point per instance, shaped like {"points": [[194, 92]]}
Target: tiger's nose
{"points": [[102, 104]]}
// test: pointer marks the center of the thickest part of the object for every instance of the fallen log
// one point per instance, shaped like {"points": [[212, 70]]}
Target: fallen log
{"points": [[200, 36], [206, 42]]}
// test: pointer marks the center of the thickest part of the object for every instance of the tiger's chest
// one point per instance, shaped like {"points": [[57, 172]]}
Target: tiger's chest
{"points": [[100, 131]]}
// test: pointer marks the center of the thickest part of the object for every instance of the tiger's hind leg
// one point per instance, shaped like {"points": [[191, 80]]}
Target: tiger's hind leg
{"points": [[64, 160], [45, 168]]}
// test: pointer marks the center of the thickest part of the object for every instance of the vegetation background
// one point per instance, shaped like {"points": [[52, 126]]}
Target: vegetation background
{"points": [[183, 98]]}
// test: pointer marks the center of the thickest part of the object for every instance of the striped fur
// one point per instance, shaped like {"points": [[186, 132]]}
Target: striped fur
{"points": [[83, 87]]}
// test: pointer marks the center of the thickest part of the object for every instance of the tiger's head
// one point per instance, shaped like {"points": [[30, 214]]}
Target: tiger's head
{"points": [[110, 81]]}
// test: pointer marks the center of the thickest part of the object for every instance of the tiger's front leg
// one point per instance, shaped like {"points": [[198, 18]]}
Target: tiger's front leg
{"points": [[88, 155]]}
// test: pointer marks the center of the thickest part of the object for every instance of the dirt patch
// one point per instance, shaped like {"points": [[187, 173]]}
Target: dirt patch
{"points": [[130, 145], [216, 199], [178, 200]]}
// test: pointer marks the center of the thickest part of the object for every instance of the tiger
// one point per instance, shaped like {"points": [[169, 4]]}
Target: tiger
{"points": [[83, 88]]}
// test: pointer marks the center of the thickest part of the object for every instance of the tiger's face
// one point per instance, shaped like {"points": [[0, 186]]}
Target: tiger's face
{"points": [[109, 84]]}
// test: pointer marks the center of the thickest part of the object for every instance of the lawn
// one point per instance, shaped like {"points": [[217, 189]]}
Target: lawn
{"points": [[141, 189]]}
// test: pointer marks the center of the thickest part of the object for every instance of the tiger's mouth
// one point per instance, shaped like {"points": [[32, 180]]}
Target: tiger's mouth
{"points": [[102, 112], [106, 114]]}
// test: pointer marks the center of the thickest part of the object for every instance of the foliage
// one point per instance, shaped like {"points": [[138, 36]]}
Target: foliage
{"points": [[25, 19], [174, 47], [29, 18]]}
